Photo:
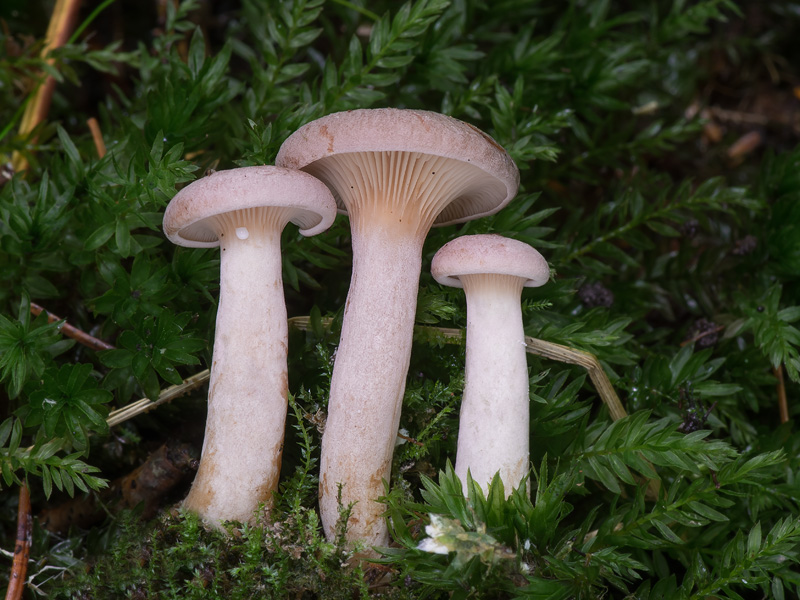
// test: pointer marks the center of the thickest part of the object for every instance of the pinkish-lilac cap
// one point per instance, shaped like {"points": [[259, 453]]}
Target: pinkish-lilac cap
{"points": [[188, 218], [405, 130], [488, 254]]}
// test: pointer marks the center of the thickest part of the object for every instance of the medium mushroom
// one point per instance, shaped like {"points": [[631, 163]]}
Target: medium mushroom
{"points": [[244, 211], [493, 430], [395, 173]]}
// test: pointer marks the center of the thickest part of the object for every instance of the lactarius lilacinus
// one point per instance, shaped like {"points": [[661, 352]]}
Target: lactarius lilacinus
{"points": [[493, 429], [243, 211], [395, 173]]}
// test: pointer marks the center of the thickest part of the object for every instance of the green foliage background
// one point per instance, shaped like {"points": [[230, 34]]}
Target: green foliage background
{"points": [[649, 227]]}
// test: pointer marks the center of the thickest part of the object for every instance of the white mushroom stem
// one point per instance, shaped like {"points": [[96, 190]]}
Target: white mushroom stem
{"points": [[369, 381], [240, 462], [393, 199], [493, 431]]}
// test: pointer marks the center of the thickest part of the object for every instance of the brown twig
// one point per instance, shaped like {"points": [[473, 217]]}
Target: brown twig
{"points": [[72, 332], [701, 335], [61, 25], [783, 404], [97, 136], [22, 548], [410, 440]]}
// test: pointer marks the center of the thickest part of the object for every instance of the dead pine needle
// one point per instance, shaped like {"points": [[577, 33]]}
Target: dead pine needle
{"points": [[562, 354], [138, 407]]}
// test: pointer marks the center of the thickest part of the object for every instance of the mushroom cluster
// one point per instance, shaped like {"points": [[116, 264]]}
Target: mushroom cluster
{"points": [[395, 173]]}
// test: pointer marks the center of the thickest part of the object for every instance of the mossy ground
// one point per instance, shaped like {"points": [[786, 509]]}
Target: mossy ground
{"points": [[660, 176]]}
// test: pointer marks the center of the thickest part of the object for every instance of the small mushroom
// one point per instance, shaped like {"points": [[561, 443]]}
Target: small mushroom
{"points": [[493, 430], [395, 173], [243, 211]]}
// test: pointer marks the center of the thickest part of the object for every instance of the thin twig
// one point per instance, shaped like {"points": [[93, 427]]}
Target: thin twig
{"points": [[22, 548], [72, 332], [61, 25], [115, 417], [701, 335], [544, 349], [535, 346], [783, 404], [410, 440], [97, 136]]}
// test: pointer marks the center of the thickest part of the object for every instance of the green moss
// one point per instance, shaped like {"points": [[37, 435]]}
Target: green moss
{"points": [[176, 557], [675, 262]]}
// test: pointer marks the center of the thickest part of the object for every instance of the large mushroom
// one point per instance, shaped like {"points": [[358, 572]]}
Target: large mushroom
{"points": [[395, 173], [493, 429], [244, 211]]}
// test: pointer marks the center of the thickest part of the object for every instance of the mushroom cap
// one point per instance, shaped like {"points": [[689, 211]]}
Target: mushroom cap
{"points": [[188, 220], [491, 255], [405, 130]]}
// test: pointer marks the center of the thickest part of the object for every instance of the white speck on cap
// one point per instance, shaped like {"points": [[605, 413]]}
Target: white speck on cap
{"points": [[314, 208]]}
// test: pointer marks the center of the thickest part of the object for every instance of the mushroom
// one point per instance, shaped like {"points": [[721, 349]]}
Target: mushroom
{"points": [[493, 430], [395, 173], [244, 211]]}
